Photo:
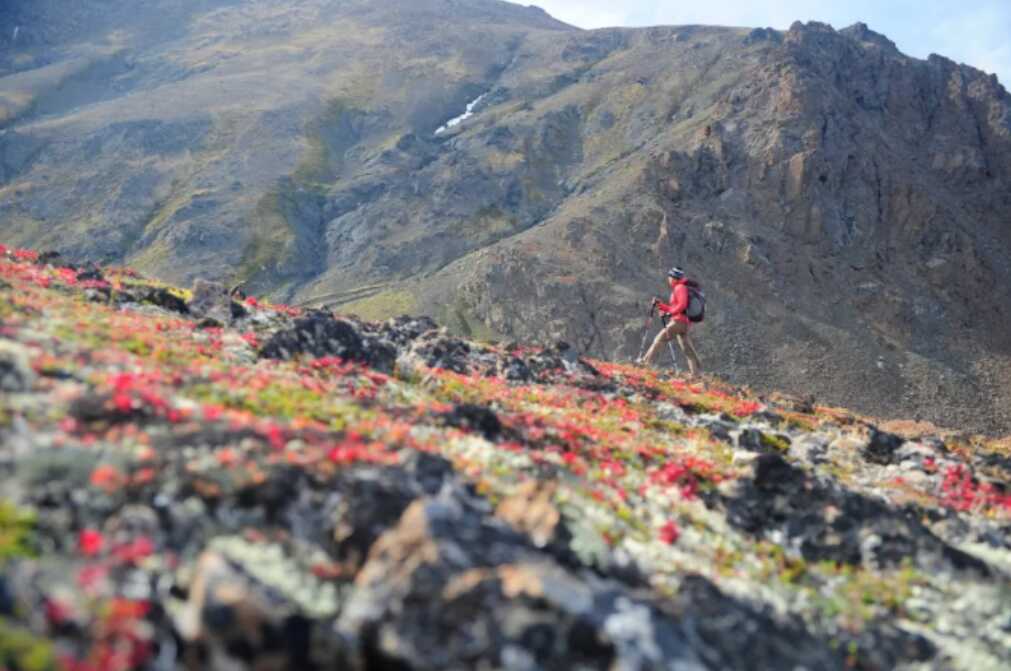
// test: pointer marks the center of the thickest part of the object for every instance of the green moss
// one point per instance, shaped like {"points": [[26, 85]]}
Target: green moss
{"points": [[20, 650], [777, 563], [16, 529], [778, 443], [665, 426], [860, 595], [136, 345], [283, 401], [6, 308]]}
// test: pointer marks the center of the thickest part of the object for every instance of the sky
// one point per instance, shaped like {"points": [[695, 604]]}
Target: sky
{"points": [[976, 32]]}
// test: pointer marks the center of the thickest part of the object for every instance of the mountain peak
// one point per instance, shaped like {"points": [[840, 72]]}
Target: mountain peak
{"points": [[860, 32]]}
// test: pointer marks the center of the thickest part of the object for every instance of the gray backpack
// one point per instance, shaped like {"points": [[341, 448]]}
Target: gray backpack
{"points": [[696, 310]]}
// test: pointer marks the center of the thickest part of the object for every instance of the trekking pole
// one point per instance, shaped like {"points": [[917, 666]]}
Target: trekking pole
{"points": [[645, 329], [673, 358], [670, 348]]}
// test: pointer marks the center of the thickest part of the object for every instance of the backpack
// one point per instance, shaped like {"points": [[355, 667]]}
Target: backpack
{"points": [[696, 310]]}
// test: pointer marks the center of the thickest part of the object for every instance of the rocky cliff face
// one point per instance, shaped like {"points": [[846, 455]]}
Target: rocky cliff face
{"points": [[844, 205]]}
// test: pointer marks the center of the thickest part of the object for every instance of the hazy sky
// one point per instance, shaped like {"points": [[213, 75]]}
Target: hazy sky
{"points": [[977, 32]]}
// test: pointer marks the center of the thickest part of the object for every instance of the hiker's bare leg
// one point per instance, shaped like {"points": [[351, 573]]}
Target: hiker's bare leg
{"points": [[658, 342], [695, 355], [672, 329], [685, 343]]}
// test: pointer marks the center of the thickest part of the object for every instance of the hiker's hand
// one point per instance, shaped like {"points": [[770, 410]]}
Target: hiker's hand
{"points": [[656, 301]]}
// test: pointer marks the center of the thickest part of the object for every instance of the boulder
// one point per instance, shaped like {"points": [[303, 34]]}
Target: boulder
{"points": [[16, 374]]}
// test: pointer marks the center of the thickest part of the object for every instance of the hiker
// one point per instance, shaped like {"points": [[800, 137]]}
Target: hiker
{"points": [[679, 322]]}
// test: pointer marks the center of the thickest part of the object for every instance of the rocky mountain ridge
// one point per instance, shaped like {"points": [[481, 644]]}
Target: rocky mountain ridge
{"points": [[844, 205]]}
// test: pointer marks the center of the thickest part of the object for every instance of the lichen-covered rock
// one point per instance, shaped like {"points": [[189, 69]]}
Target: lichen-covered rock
{"points": [[211, 300], [451, 588], [824, 523], [320, 334], [255, 605], [16, 374]]}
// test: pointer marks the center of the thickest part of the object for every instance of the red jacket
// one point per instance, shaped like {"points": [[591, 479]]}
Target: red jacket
{"points": [[678, 302]]}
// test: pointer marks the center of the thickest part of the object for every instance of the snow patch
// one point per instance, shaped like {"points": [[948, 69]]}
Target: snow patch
{"points": [[463, 117]]}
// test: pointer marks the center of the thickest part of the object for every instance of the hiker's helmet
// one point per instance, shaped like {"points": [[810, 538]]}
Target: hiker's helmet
{"points": [[675, 273]]}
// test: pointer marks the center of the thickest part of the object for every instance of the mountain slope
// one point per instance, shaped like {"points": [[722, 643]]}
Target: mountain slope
{"points": [[194, 482], [844, 205]]}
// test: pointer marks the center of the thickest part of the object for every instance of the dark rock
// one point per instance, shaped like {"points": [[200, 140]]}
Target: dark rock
{"points": [[751, 440], [344, 516], [90, 272], [371, 501], [380, 354], [122, 296], [47, 257], [318, 334], [101, 295], [428, 472], [92, 407], [734, 636], [404, 329], [720, 430], [881, 447], [768, 417], [881, 645], [209, 323], [549, 363], [545, 362], [59, 374], [566, 352], [997, 461], [281, 486], [828, 523], [438, 350], [513, 369], [451, 587], [164, 299], [475, 418], [237, 310], [6, 598]]}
